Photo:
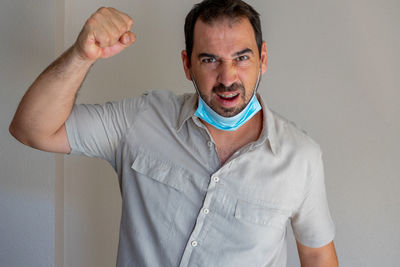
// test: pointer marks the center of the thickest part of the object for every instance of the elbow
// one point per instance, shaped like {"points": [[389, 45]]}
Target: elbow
{"points": [[17, 133], [12, 129], [30, 136]]}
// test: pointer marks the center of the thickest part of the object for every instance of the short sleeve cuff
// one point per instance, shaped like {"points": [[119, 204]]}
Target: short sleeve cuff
{"points": [[71, 130], [316, 241]]}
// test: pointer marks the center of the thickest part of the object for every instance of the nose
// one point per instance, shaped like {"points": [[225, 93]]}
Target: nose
{"points": [[227, 73]]}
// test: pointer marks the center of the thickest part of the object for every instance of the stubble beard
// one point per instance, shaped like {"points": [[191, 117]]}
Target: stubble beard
{"points": [[227, 112]]}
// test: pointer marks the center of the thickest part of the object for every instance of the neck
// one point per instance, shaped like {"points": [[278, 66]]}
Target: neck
{"points": [[228, 142]]}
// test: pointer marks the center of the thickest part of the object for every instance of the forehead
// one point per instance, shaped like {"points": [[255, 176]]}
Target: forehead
{"points": [[224, 36]]}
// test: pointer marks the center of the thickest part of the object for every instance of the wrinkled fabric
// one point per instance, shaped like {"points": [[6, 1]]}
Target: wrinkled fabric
{"points": [[180, 207]]}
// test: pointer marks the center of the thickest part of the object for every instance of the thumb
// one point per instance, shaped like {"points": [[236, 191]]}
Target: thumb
{"points": [[127, 38], [124, 41]]}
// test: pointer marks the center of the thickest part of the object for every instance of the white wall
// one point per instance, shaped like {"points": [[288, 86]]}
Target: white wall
{"points": [[332, 69], [26, 175]]}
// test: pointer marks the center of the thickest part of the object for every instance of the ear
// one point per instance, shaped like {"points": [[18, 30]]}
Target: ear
{"points": [[186, 64], [264, 58]]}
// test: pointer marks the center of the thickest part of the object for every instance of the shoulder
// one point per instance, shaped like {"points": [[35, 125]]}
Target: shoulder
{"points": [[164, 107], [295, 140], [299, 152], [156, 100], [166, 102], [164, 98]]}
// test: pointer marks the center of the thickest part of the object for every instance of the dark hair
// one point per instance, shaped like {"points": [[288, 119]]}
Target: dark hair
{"points": [[211, 10]]}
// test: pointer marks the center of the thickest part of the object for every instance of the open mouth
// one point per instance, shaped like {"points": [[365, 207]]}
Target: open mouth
{"points": [[228, 96]]}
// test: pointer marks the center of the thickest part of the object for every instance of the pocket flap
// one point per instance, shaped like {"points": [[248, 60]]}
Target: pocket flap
{"points": [[161, 171], [259, 214]]}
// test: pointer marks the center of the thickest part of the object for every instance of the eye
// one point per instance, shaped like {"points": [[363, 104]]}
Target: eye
{"points": [[208, 60], [242, 58]]}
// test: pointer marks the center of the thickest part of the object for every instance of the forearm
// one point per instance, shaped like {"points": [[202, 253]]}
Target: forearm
{"points": [[41, 115], [48, 102]]}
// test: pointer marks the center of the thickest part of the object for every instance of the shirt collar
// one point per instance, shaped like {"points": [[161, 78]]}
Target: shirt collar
{"points": [[188, 109], [268, 132]]}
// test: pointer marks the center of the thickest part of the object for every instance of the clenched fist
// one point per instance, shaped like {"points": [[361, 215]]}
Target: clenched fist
{"points": [[105, 34]]}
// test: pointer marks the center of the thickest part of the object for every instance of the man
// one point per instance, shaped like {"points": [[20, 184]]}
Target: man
{"points": [[207, 179]]}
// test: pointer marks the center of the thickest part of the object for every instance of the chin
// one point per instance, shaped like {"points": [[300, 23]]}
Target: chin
{"points": [[230, 112]]}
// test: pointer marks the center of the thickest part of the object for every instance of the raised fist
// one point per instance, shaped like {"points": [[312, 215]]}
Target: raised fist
{"points": [[105, 34]]}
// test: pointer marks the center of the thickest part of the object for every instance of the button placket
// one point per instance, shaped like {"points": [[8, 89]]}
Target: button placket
{"points": [[210, 144], [200, 232]]}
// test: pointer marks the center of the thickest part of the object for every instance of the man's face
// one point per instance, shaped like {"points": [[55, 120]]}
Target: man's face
{"points": [[225, 64]]}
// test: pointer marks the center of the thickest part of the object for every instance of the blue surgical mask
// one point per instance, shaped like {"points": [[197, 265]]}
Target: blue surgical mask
{"points": [[207, 114]]}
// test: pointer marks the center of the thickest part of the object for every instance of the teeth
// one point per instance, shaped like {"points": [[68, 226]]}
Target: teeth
{"points": [[228, 95]]}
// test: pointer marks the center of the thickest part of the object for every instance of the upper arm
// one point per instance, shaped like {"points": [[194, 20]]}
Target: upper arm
{"points": [[57, 142], [324, 256], [96, 130]]}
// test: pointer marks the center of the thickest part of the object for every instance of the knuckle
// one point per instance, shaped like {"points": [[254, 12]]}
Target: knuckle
{"points": [[91, 21], [104, 11], [96, 17], [101, 9]]}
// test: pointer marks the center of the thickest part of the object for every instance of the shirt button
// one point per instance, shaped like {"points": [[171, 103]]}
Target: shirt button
{"points": [[209, 144], [194, 243], [216, 179], [206, 211]]}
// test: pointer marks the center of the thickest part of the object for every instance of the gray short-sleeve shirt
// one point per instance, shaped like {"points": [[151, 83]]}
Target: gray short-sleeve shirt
{"points": [[180, 207]]}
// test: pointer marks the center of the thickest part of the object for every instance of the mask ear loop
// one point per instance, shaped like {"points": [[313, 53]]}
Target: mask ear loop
{"points": [[257, 82], [195, 87], [194, 82]]}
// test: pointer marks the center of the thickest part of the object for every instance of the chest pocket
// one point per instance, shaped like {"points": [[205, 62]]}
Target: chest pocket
{"points": [[261, 215], [161, 171], [160, 184]]}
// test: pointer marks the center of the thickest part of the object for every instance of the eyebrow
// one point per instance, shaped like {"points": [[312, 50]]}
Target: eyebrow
{"points": [[239, 53], [201, 55], [242, 52]]}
